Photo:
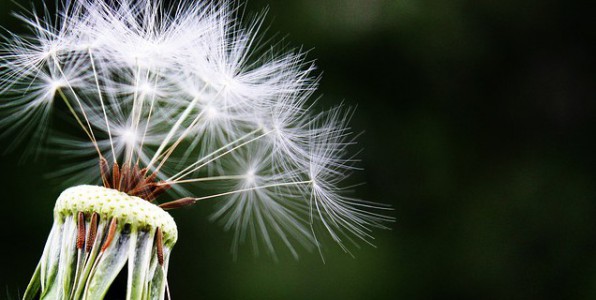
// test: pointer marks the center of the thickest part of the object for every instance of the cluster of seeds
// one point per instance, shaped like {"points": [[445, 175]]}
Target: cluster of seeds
{"points": [[173, 99], [185, 97]]}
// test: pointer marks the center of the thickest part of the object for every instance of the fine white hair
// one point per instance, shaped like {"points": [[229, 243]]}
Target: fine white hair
{"points": [[191, 93]]}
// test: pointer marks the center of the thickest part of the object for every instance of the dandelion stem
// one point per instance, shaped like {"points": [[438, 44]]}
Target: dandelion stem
{"points": [[173, 131], [255, 189], [90, 132], [186, 131], [149, 115], [100, 97], [34, 284], [212, 178], [171, 149], [186, 171], [194, 169], [73, 112], [136, 111]]}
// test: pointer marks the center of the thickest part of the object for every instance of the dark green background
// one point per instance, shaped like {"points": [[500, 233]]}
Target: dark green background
{"points": [[479, 130]]}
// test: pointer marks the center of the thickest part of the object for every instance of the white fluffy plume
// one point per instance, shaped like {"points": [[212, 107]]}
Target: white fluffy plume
{"points": [[189, 93]]}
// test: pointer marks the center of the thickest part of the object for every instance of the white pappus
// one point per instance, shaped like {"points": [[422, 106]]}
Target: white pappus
{"points": [[191, 95]]}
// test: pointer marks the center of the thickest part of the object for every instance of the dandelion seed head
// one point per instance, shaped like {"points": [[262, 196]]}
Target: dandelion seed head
{"points": [[129, 136], [189, 94], [251, 178], [56, 84]]}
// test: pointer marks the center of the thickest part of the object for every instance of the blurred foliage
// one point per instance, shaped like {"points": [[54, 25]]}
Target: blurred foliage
{"points": [[479, 130]]}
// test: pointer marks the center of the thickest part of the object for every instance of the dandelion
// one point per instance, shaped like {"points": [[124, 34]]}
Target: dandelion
{"points": [[169, 98]]}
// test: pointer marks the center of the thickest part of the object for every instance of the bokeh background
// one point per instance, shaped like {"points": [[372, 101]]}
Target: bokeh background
{"points": [[478, 121]]}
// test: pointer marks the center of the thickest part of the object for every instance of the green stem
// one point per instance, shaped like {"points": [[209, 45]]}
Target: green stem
{"points": [[34, 284]]}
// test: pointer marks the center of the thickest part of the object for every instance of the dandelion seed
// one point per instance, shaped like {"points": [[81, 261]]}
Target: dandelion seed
{"points": [[170, 98]]}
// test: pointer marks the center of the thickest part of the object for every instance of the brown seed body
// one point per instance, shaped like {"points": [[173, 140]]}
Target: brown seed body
{"points": [[81, 230], [92, 232]]}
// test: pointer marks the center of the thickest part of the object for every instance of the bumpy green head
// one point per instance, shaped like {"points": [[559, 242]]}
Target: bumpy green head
{"points": [[96, 232]]}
